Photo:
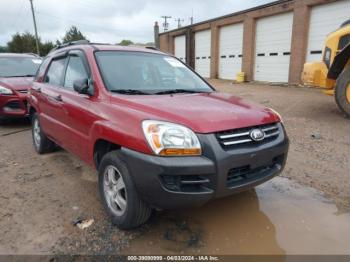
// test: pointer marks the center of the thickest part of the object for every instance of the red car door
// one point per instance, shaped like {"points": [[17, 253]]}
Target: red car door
{"points": [[51, 107], [79, 109]]}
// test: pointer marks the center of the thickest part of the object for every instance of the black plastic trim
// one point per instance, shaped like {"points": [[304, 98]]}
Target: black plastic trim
{"points": [[210, 170]]}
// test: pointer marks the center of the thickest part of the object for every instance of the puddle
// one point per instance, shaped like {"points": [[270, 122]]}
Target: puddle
{"points": [[278, 217]]}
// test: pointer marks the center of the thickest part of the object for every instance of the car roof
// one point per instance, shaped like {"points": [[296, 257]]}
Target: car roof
{"points": [[105, 47], [19, 55]]}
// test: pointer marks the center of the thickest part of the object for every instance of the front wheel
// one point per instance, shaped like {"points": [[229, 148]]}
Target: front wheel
{"points": [[342, 92], [40, 141], [119, 194]]}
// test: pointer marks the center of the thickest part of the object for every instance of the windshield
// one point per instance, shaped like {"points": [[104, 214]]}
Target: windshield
{"points": [[145, 73], [18, 66]]}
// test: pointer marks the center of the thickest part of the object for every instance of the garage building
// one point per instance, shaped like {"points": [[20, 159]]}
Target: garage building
{"points": [[268, 43]]}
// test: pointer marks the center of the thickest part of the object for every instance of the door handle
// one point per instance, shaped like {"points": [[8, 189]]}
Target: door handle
{"points": [[58, 98]]}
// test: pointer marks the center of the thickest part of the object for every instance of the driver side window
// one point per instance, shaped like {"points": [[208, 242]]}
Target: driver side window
{"points": [[75, 71]]}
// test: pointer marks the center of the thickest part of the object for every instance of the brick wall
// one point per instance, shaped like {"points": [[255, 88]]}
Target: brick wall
{"points": [[301, 10]]}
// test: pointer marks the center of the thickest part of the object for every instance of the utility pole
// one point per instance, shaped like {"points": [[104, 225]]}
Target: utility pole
{"points": [[35, 29], [179, 20], [165, 24], [191, 18]]}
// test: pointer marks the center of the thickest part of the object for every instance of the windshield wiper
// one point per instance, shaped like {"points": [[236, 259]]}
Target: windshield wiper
{"points": [[129, 92], [176, 91]]}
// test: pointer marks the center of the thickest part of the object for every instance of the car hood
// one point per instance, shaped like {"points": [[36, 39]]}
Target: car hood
{"points": [[16, 83], [202, 112]]}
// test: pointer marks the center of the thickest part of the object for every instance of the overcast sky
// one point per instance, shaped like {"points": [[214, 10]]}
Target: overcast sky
{"points": [[108, 20]]}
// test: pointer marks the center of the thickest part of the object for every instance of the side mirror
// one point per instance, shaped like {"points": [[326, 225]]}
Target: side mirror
{"points": [[81, 86]]}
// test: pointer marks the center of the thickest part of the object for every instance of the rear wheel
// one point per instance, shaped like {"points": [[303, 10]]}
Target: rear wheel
{"points": [[342, 92], [40, 141], [119, 194]]}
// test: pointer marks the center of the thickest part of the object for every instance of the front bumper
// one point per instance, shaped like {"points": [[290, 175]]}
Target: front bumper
{"points": [[175, 182], [13, 106]]}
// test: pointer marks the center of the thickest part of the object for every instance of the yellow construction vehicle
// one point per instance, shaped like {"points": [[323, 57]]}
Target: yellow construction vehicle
{"points": [[332, 74]]}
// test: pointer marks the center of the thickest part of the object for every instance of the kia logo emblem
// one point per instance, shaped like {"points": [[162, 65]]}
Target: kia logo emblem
{"points": [[257, 134]]}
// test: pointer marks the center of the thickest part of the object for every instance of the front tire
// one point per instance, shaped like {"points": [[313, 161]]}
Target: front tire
{"points": [[342, 92], [119, 195], [40, 141]]}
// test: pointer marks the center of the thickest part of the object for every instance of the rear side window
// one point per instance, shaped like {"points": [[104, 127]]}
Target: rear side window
{"points": [[75, 71], [55, 72]]}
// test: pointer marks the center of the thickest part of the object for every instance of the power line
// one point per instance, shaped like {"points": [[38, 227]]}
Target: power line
{"points": [[117, 32], [18, 15], [77, 22]]}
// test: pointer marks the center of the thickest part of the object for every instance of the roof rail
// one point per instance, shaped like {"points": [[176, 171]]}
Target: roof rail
{"points": [[152, 48], [78, 42]]}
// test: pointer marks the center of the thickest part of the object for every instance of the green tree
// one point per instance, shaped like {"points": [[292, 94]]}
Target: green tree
{"points": [[46, 47], [3, 49], [126, 42], [73, 34], [22, 43], [25, 43]]}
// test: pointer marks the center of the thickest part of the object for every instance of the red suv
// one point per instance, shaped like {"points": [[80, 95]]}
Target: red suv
{"points": [[159, 135], [16, 75]]}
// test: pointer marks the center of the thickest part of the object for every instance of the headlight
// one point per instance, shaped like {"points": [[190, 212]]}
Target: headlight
{"points": [[278, 114], [168, 139], [5, 91]]}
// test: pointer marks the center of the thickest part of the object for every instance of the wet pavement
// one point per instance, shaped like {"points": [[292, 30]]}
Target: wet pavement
{"points": [[279, 217]]}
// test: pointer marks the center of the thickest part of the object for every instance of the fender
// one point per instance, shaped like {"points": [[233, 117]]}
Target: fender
{"points": [[126, 137]]}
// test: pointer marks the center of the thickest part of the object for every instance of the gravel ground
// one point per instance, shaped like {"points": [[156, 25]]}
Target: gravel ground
{"points": [[42, 196]]}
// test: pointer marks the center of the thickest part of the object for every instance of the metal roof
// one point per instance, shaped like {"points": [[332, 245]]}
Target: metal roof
{"points": [[229, 15]]}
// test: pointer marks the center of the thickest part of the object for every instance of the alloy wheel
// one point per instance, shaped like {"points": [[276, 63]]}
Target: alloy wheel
{"points": [[37, 133], [114, 190]]}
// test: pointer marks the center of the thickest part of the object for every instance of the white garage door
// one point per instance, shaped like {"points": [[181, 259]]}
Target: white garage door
{"points": [[273, 44], [202, 52], [180, 47], [230, 51], [325, 19]]}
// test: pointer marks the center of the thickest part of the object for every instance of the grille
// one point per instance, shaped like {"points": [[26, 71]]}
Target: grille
{"points": [[243, 174], [241, 137]]}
